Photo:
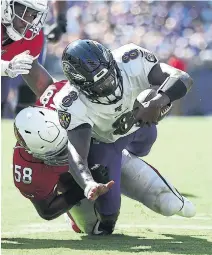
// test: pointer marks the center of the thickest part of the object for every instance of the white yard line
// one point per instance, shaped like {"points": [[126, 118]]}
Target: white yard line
{"points": [[163, 226], [53, 228], [198, 217]]}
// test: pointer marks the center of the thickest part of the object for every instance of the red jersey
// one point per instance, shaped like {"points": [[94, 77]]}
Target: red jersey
{"points": [[46, 100], [8, 52], [33, 178]]}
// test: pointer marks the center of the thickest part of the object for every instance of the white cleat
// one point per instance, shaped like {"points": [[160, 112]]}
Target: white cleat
{"points": [[188, 209]]}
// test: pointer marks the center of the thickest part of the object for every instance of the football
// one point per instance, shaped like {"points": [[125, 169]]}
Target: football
{"points": [[147, 95]]}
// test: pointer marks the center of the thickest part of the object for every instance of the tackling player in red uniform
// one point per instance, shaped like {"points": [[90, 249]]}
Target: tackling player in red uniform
{"points": [[22, 41], [40, 163], [41, 172]]}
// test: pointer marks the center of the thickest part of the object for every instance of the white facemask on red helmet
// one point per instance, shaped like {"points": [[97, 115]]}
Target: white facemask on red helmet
{"points": [[30, 28], [38, 130]]}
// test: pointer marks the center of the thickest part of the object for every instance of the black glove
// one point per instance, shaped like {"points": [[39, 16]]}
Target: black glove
{"points": [[57, 30], [150, 107], [147, 113]]}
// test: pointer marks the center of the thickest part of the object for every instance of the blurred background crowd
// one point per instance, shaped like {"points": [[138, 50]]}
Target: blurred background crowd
{"points": [[178, 32]]}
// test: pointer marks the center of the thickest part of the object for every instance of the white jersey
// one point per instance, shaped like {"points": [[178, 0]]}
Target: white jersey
{"points": [[135, 64]]}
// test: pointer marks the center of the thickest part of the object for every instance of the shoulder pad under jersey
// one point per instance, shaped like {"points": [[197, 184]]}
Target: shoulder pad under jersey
{"points": [[71, 110], [134, 59]]}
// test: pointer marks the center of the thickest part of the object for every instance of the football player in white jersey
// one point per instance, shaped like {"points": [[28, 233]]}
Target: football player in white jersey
{"points": [[100, 111]]}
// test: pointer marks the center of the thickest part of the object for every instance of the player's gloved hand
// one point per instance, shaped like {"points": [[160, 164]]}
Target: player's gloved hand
{"points": [[147, 113], [20, 64], [56, 30], [150, 112], [93, 189]]}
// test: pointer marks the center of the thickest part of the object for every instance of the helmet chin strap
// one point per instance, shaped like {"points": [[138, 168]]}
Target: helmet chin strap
{"points": [[12, 33]]}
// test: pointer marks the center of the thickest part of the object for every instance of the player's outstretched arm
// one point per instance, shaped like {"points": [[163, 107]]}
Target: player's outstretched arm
{"points": [[56, 205], [78, 149], [38, 78]]}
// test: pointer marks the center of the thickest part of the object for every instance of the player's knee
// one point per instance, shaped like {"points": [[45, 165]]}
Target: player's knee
{"points": [[169, 204], [106, 224], [46, 214]]}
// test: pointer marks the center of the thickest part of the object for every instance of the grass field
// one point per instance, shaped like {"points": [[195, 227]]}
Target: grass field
{"points": [[182, 153]]}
